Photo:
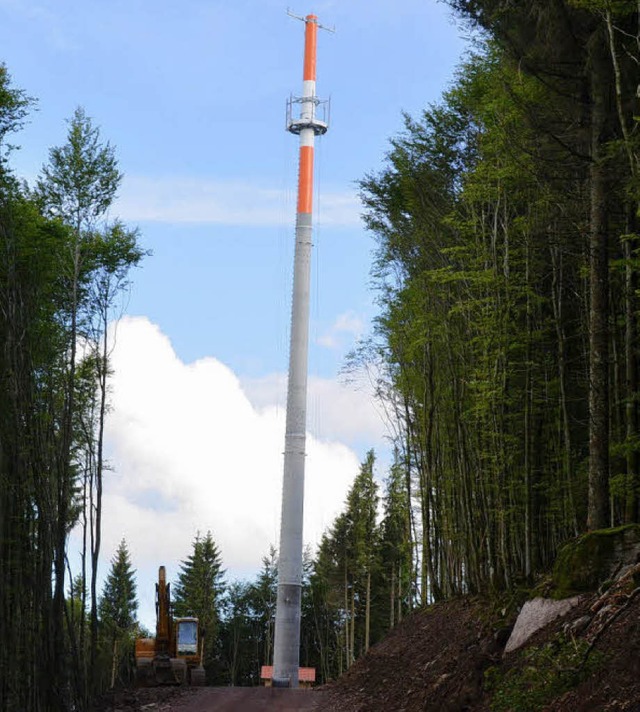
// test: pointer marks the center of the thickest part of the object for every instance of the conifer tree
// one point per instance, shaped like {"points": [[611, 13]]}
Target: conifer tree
{"points": [[118, 606], [263, 595], [199, 589], [395, 544], [362, 503], [238, 640]]}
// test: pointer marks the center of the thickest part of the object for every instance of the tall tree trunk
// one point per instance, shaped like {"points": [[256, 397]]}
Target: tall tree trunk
{"points": [[630, 288], [347, 636], [598, 499], [58, 663], [631, 383], [571, 520], [103, 372], [367, 615], [400, 593], [352, 643], [528, 399], [392, 593], [114, 661]]}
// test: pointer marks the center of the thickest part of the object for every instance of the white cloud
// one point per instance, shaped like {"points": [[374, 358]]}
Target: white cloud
{"points": [[203, 201], [190, 450], [349, 324], [336, 411]]}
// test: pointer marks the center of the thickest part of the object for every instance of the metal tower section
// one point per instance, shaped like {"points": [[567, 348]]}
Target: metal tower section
{"points": [[286, 656]]}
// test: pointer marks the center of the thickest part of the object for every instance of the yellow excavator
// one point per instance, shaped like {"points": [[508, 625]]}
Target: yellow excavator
{"points": [[174, 656]]}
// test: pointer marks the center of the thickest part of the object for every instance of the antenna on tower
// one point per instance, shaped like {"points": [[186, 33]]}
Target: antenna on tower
{"points": [[286, 647], [331, 29]]}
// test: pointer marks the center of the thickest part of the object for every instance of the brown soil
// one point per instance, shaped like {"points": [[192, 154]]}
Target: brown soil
{"points": [[218, 699], [250, 699], [436, 660], [433, 660], [152, 698], [615, 684], [439, 660]]}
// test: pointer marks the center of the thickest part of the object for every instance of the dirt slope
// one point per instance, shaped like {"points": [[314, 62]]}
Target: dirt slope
{"points": [[450, 657], [434, 660]]}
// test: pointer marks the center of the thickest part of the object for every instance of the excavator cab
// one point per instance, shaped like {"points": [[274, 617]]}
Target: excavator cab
{"points": [[186, 637]]}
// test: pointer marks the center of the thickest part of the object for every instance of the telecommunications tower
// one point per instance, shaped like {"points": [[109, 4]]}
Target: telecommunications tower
{"points": [[286, 649]]}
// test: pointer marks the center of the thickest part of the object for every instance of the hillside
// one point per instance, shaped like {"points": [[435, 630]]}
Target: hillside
{"points": [[450, 656]]}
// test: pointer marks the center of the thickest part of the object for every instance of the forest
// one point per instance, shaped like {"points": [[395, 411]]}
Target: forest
{"points": [[504, 353]]}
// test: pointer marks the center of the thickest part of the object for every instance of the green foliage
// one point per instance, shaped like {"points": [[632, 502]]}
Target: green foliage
{"points": [[361, 529], [198, 592], [545, 673], [247, 619], [200, 581], [60, 274], [118, 603], [80, 180], [481, 215], [396, 555], [262, 600], [360, 581], [238, 662], [14, 108], [117, 609], [583, 564], [615, 7]]}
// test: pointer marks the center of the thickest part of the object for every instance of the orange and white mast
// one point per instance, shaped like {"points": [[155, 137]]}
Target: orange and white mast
{"points": [[286, 655]]}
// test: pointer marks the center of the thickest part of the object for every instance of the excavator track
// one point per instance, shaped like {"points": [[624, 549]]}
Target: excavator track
{"points": [[145, 675], [179, 671], [198, 678]]}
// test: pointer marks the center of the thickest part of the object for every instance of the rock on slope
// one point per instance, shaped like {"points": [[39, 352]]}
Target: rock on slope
{"points": [[450, 656]]}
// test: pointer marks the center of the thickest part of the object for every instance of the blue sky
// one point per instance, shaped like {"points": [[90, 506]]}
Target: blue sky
{"points": [[192, 95]]}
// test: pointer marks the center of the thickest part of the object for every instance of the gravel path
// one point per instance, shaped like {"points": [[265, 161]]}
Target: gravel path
{"points": [[248, 699]]}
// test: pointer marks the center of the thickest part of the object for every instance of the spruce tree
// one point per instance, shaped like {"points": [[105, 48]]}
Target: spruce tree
{"points": [[118, 606], [198, 591], [396, 544], [263, 604]]}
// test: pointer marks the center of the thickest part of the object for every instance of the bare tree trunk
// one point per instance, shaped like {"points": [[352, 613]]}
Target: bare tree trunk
{"points": [[352, 644], [114, 661], [597, 511], [631, 370], [58, 663], [392, 593], [347, 637], [631, 383], [527, 432], [367, 615], [103, 363], [557, 301]]}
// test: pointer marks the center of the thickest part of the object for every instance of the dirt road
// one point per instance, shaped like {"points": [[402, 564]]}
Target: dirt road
{"points": [[247, 699]]}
